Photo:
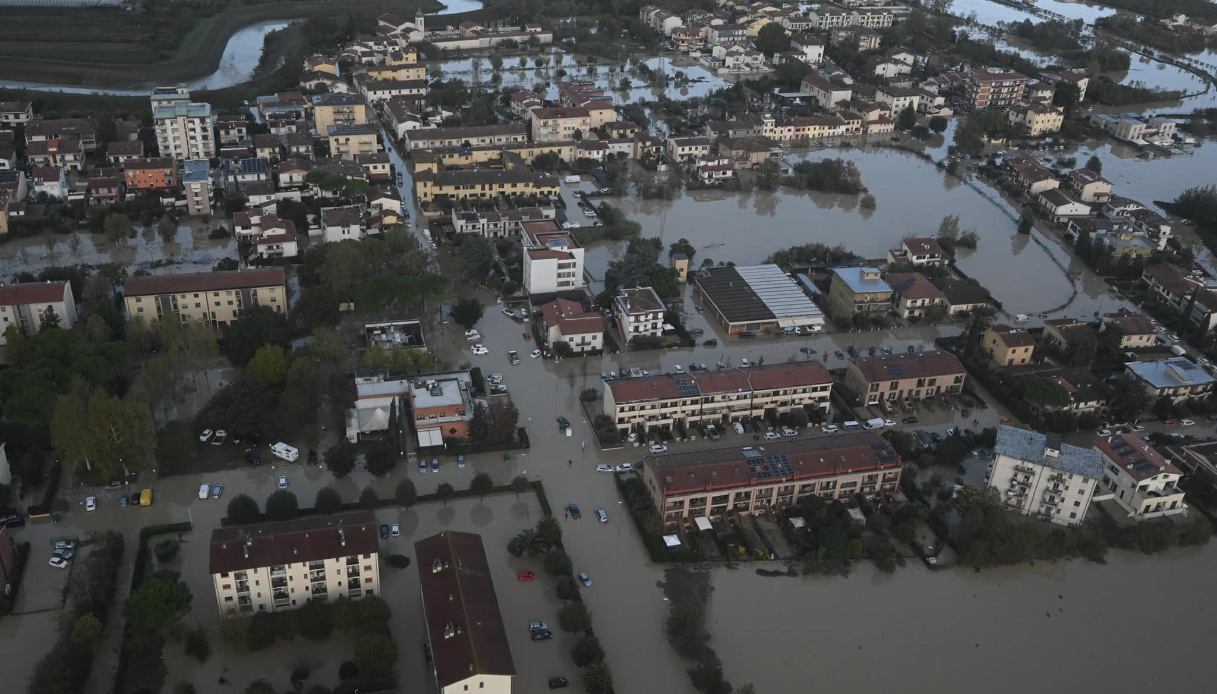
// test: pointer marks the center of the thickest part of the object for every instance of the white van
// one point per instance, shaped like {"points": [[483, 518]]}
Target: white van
{"points": [[574, 178], [204, 490], [286, 452], [850, 425]]}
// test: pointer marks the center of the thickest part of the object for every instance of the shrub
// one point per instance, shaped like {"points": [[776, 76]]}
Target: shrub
{"points": [[587, 650], [166, 550], [281, 505], [242, 509], [197, 644], [368, 498], [398, 561], [558, 563], [376, 654], [328, 500], [406, 494], [574, 617]]}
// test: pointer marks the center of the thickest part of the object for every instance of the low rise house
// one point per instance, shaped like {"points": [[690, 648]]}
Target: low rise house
{"points": [[1008, 346], [499, 223], [467, 136], [283, 565], [1061, 207], [1171, 285], [31, 306], [559, 123], [122, 151], [83, 129], [1036, 119], [858, 290], [568, 323], [1030, 176], [1135, 128], [725, 481], [1140, 479], [1176, 378], [891, 378], [919, 251], [14, 113], [477, 183], [898, 98], [213, 298], [1043, 478], [1089, 186], [236, 173], [341, 224], [1151, 225], [104, 187], [639, 312], [1064, 333], [914, 296], [688, 149], [1203, 310], [49, 181], [1136, 332], [824, 91], [66, 152], [351, 141], [442, 406]]}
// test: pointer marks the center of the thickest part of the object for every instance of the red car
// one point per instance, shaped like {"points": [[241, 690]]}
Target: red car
{"points": [[525, 576]]}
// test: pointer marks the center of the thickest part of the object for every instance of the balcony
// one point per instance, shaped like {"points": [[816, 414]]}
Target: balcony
{"points": [[1024, 468], [243, 587], [316, 575], [278, 571], [352, 571], [278, 582], [1019, 481], [353, 584], [319, 591]]}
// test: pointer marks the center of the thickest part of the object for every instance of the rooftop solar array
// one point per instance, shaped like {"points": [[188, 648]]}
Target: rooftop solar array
{"points": [[774, 466], [687, 388]]}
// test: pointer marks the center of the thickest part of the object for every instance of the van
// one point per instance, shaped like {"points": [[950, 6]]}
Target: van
{"points": [[851, 425], [204, 490], [874, 423], [145, 497], [286, 452], [574, 178]]}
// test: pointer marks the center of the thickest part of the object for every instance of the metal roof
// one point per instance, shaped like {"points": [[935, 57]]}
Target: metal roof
{"points": [[1170, 373], [1032, 447], [745, 294]]}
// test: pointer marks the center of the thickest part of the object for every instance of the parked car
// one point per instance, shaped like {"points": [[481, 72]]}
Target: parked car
{"points": [[422, 466], [790, 431], [541, 635], [472, 333], [395, 530], [739, 428], [657, 448], [91, 503], [384, 530], [219, 438], [460, 460], [712, 342], [122, 501], [624, 467], [911, 419], [205, 436], [525, 576], [585, 579], [558, 682], [1187, 422], [58, 562], [435, 465], [312, 456], [574, 511], [282, 481], [563, 422], [772, 436], [601, 515], [535, 353], [217, 491], [479, 350], [829, 428], [604, 467], [253, 458], [1104, 432]]}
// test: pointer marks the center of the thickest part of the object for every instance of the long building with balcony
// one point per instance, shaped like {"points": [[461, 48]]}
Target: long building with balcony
{"points": [[282, 565], [716, 397], [1140, 479], [889, 379], [717, 482], [1043, 478], [214, 298]]}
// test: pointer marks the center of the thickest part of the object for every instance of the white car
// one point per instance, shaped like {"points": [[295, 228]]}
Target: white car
{"points": [[535, 353], [205, 436], [480, 350], [1104, 432], [1186, 422], [58, 562], [744, 362], [790, 431], [91, 503], [472, 335], [772, 436], [632, 437], [739, 428], [282, 481], [678, 369], [658, 448], [218, 439], [624, 467], [604, 467], [830, 428]]}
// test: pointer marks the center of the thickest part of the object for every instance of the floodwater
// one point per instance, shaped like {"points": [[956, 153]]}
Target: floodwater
{"points": [[912, 195], [189, 251]]}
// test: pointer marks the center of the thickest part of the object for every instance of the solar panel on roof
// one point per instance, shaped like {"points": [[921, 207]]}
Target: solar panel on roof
{"points": [[687, 388], [895, 369], [777, 465]]}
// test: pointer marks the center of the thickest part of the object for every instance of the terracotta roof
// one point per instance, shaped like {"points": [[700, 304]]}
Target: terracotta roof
{"points": [[1134, 456], [289, 542], [734, 467], [913, 285], [203, 282], [464, 625], [1012, 337], [923, 245], [1172, 278], [1130, 323], [31, 293], [756, 378], [560, 112], [891, 367]]}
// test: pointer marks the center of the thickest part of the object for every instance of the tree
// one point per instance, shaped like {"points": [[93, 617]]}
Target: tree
{"points": [[368, 498], [86, 630], [340, 460], [948, 228], [574, 617], [467, 312], [907, 119], [375, 654], [938, 124], [444, 491], [772, 38], [1045, 393], [166, 227], [281, 505], [243, 510], [1095, 164], [587, 650], [477, 257], [481, 484], [328, 500], [156, 604], [316, 620], [197, 644], [260, 686], [406, 494], [519, 485], [768, 175], [116, 226], [268, 365], [558, 563], [683, 247], [110, 435], [257, 326], [381, 459], [596, 677]]}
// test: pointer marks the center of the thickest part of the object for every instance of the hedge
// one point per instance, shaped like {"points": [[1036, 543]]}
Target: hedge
{"points": [[138, 573], [16, 571]]}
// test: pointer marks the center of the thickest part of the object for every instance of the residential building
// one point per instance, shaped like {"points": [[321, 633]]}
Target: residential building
{"points": [[1061, 206], [467, 136], [1203, 312], [559, 123], [337, 109], [858, 290], [664, 401], [824, 91], [286, 112], [1177, 378], [1171, 285], [1135, 128], [1151, 225], [183, 127], [196, 180], [809, 47], [1037, 119], [639, 312], [1064, 333], [898, 98], [342, 223], [1136, 332], [686, 149], [466, 639], [892, 377], [1140, 479], [919, 251], [283, 565], [1089, 186], [277, 240], [1044, 478], [994, 87], [755, 299], [499, 223], [1007, 346], [14, 113], [122, 151], [478, 183], [104, 187], [567, 322], [1030, 176], [351, 141], [1075, 77], [158, 173], [752, 479], [49, 180], [83, 129], [214, 298], [914, 296], [553, 260], [67, 152], [31, 306]]}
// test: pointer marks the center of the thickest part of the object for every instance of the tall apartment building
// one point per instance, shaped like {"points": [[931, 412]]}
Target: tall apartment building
{"points": [[1044, 478], [30, 305], [337, 109], [1140, 479], [214, 298], [994, 86], [282, 565], [196, 181], [639, 312], [756, 478], [553, 260], [716, 397], [559, 123], [892, 377], [465, 632], [183, 127]]}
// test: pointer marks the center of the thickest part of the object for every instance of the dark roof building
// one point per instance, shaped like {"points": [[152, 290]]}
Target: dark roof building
{"points": [[758, 298]]}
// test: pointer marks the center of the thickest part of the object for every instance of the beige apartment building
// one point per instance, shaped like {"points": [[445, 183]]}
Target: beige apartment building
{"points": [[214, 298], [1042, 478], [893, 377], [282, 565], [29, 305], [337, 109], [1038, 119], [482, 183], [559, 123], [351, 141], [716, 397], [1008, 346], [994, 86], [750, 479]]}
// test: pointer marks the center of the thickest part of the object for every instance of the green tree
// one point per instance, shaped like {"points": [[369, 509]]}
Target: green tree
{"points": [[445, 492], [938, 124], [481, 484], [116, 226], [467, 312], [381, 459], [111, 435], [587, 650], [477, 258], [1045, 393], [197, 644], [340, 460], [574, 617], [257, 326], [368, 498], [684, 247], [557, 563], [155, 605], [243, 510], [1095, 164], [373, 611], [520, 484], [948, 228], [906, 119], [406, 494], [268, 365], [596, 678], [772, 38], [328, 500], [166, 227], [282, 505], [375, 654], [768, 175], [86, 630]]}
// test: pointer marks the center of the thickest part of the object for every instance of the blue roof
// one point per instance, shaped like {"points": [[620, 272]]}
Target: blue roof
{"points": [[196, 171], [853, 277], [1176, 372], [1032, 447], [245, 166]]}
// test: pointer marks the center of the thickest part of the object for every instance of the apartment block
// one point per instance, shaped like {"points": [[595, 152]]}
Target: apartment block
{"points": [[1140, 479], [553, 260], [351, 141], [337, 109], [277, 566], [1043, 478], [890, 378], [639, 312], [459, 185], [196, 180], [993, 86], [714, 483], [183, 127], [29, 306], [214, 298], [559, 123], [470, 136], [1008, 346], [716, 397]]}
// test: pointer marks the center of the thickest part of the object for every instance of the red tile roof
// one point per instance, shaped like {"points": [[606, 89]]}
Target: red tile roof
{"points": [[461, 611], [1134, 456], [904, 366], [571, 319], [288, 542], [769, 377], [203, 282], [31, 293]]}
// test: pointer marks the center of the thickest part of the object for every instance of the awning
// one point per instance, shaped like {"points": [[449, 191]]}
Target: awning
{"points": [[671, 541], [702, 523], [430, 437]]}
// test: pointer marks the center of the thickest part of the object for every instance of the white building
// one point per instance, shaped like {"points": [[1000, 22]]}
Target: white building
{"points": [[341, 224], [639, 312], [1046, 480], [1139, 478], [276, 566], [183, 127], [553, 260], [31, 305]]}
